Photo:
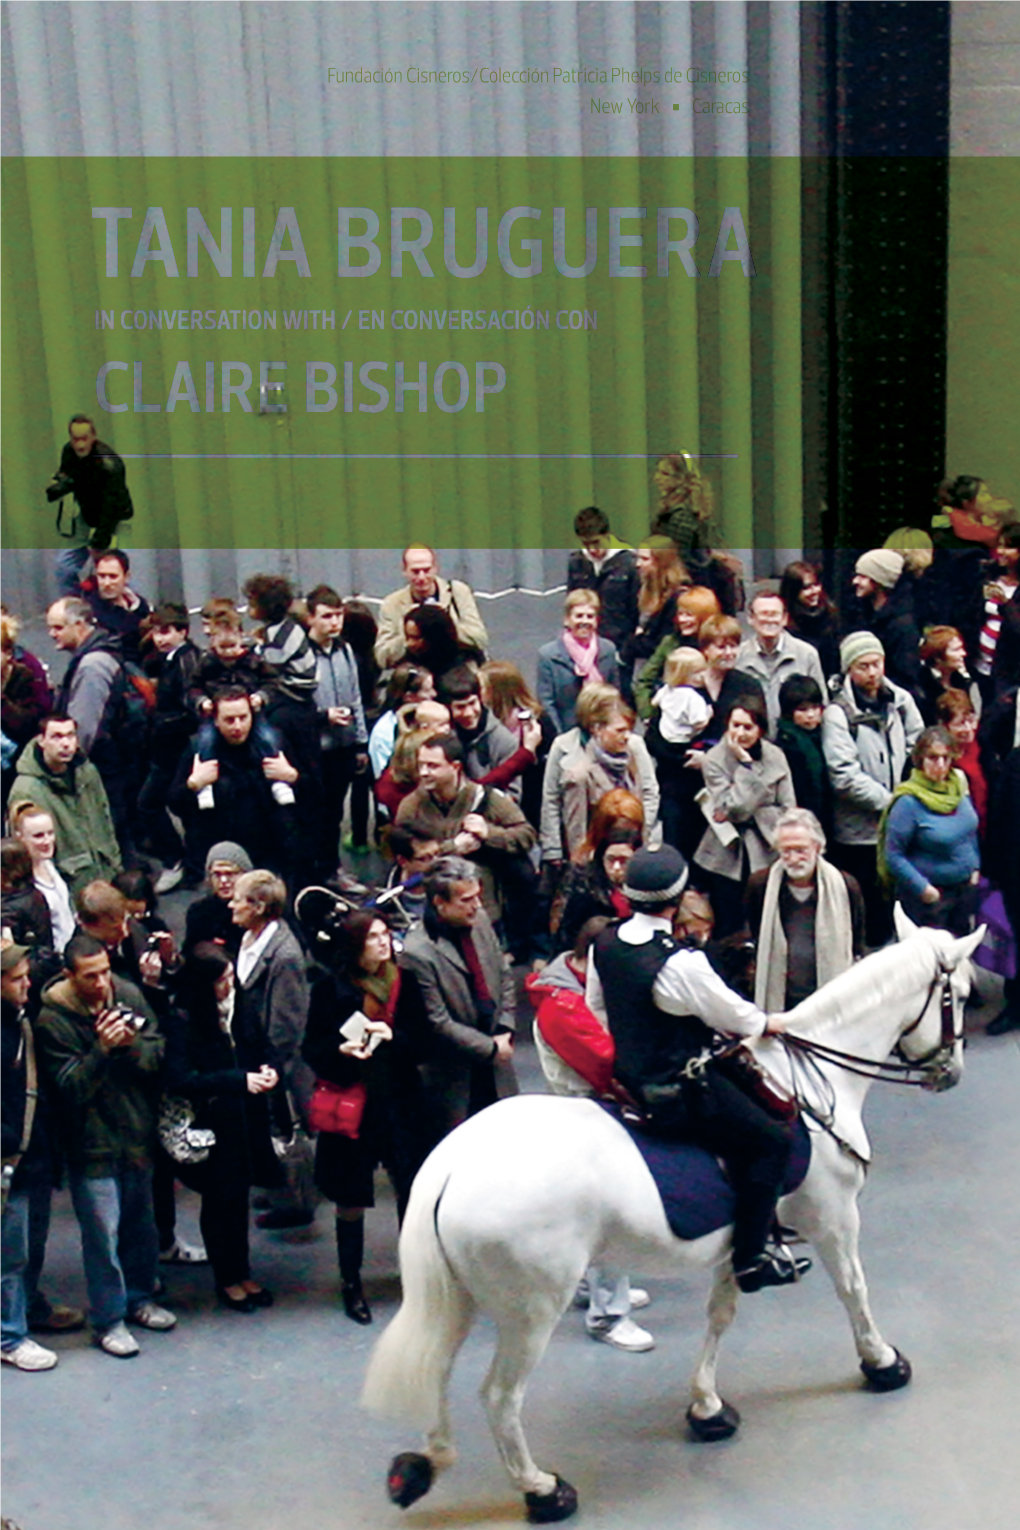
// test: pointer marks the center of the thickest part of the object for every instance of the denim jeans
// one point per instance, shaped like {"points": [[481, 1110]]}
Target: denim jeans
{"points": [[70, 563], [14, 1257], [39, 1197], [73, 556], [118, 1241], [266, 741]]}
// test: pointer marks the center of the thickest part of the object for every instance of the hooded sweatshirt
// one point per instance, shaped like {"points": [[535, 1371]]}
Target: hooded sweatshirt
{"points": [[87, 848], [576, 1051]]}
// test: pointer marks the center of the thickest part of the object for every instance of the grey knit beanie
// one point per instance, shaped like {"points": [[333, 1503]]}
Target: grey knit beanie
{"points": [[234, 855]]}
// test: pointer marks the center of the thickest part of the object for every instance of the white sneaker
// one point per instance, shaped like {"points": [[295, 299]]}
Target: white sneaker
{"points": [[283, 795], [151, 1315], [180, 1252], [29, 1356], [116, 1341], [205, 798], [170, 877], [582, 1296], [622, 1333]]}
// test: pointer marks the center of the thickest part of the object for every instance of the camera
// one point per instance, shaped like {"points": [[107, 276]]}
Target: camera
{"points": [[60, 486], [132, 1020]]}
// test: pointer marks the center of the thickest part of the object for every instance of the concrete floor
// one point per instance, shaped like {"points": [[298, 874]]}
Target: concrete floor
{"points": [[253, 1422]]}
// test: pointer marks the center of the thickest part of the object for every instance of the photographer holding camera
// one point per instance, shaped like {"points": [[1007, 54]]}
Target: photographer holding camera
{"points": [[102, 1050], [93, 474]]}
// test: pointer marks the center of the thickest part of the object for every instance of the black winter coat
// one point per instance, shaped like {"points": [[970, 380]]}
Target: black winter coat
{"points": [[173, 722], [35, 1166], [642, 644], [820, 629], [895, 625], [209, 918], [343, 1166], [99, 485], [26, 914], [210, 1068], [244, 810]]}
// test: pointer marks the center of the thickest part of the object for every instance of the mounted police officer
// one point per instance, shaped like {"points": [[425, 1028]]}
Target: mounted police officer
{"points": [[665, 1006]]}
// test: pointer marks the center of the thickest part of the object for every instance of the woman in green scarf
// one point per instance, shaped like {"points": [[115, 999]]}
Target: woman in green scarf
{"points": [[928, 839]]}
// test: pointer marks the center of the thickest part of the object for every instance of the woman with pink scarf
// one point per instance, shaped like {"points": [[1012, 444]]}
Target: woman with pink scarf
{"points": [[573, 659]]}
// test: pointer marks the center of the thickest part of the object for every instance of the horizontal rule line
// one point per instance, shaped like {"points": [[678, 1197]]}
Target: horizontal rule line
{"points": [[412, 456]]}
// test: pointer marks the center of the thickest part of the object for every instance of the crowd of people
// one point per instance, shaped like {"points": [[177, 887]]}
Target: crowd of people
{"points": [[699, 814]]}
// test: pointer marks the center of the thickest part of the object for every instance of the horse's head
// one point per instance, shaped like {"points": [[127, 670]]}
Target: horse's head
{"points": [[933, 1041]]}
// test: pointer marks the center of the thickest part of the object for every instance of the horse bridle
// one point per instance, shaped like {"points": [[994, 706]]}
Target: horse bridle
{"points": [[936, 1063], [932, 1071]]}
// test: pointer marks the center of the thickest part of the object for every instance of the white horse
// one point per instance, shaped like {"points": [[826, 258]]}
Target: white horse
{"points": [[509, 1211]]}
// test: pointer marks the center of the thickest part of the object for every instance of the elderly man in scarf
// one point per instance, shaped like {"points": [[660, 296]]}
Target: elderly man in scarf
{"points": [[807, 917]]}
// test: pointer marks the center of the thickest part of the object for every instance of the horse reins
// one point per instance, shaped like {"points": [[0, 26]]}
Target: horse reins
{"points": [[916, 1073], [928, 1072]]}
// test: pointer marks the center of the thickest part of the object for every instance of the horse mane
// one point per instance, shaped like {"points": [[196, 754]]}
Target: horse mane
{"points": [[896, 970]]}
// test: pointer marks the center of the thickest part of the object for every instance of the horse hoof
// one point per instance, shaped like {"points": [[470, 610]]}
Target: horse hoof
{"points": [[547, 1508], [887, 1378], [408, 1479], [719, 1426]]}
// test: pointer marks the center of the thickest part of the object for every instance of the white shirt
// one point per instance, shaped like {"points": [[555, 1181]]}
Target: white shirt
{"points": [[687, 984], [684, 712], [252, 947], [381, 742], [225, 1013], [61, 914]]}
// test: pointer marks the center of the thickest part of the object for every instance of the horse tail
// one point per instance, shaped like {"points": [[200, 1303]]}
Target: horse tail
{"points": [[412, 1359]]}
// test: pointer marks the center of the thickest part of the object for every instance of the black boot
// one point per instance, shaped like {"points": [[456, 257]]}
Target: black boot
{"points": [[350, 1248], [775, 1267]]}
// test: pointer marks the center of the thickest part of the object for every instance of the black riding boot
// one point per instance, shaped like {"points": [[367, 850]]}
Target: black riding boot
{"points": [[350, 1248]]}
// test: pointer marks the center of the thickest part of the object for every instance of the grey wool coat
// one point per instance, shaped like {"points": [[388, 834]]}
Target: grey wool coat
{"points": [[753, 796], [437, 1008], [274, 999]]}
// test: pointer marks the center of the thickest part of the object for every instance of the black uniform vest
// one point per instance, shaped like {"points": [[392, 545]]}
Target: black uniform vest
{"points": [[651, 1045]]}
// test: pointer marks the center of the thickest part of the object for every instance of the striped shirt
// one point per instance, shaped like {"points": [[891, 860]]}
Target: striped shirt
{"points": [[988, 641], [288, 651]]}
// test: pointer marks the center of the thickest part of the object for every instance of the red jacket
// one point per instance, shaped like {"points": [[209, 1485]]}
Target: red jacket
{"points": [[573, 1032]]}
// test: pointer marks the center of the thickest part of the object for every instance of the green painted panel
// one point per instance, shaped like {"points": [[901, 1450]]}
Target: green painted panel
{"points": [[540, 392], [983, 341]]}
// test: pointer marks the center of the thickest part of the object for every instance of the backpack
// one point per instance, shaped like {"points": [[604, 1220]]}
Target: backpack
{"points": [[129, 706], [132, 704]]}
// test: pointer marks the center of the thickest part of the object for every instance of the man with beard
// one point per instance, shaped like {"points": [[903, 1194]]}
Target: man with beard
{"points": [[807, 918]]}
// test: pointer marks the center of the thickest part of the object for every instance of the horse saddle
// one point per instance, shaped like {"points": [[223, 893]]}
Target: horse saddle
{"points": [[696, 1195]]}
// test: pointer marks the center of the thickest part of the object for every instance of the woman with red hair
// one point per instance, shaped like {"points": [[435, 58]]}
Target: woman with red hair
{"points": [[955, 711], [943, 668], [594, 882], [694, 605]]}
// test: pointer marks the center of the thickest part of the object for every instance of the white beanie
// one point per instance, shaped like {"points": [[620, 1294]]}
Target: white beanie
{"points": [[884, 566]]}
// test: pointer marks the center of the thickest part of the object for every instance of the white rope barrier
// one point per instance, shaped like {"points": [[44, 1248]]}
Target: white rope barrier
{"points": [[377, 600]]}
